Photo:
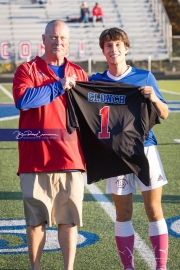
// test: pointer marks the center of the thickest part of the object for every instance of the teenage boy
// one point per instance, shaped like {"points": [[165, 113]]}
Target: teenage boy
{"points": [[114, 43]]}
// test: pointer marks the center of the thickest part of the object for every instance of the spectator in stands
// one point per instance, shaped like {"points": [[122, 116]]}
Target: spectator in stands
{"points": [[41, 2], [85, 13], [50, 169], [97, 13]]}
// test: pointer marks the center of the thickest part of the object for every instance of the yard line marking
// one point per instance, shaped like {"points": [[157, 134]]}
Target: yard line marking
{"points": [[173, 106], [6, 92], [144, 251], [6, 103], [170, 92], [174, 111], [173, 102], [9, 118], [177, 140]]}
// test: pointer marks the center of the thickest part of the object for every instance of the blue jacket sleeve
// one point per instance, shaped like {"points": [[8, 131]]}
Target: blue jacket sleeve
{"points": [[40, 96]]}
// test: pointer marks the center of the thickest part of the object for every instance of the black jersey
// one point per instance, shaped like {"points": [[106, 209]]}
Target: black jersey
{"points": [[113, 119]]}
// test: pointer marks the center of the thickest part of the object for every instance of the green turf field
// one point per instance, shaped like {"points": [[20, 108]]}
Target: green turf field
{"points": [[98, 251]]}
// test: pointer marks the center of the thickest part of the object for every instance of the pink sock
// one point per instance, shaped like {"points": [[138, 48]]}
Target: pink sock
{"points": [[125, 247], [160, 246], [159, 238]]}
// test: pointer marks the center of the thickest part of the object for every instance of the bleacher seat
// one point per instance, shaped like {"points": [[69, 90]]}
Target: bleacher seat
{"points": [[25, 20]]}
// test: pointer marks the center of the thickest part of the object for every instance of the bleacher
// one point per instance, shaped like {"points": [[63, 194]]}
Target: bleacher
{"points": [[23, 20]]}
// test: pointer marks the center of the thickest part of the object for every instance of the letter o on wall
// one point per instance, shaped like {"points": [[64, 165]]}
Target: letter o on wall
{"points": [[4, 53], [25, 49]]}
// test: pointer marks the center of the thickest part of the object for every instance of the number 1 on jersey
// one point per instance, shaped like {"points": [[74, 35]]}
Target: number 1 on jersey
{"points": [[104, 134]]}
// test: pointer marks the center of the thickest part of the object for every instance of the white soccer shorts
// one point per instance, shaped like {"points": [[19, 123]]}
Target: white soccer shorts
{"points": [[126, 184]]}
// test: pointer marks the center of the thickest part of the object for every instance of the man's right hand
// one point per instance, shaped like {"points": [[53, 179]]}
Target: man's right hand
{"points": [[68, 82]]}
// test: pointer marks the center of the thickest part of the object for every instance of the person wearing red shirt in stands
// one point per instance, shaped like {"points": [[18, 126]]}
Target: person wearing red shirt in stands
{"points": [[97, 13]]}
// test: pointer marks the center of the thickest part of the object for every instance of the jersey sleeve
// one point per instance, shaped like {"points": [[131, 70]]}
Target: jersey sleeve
{"points": [[27, 96], [152, 82]]}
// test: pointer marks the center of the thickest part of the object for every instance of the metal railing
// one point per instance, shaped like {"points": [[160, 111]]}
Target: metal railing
{"points": [[164, 24], [176, 48]]}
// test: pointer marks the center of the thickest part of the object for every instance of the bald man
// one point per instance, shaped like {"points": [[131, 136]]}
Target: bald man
{"points": [[51, 161]]}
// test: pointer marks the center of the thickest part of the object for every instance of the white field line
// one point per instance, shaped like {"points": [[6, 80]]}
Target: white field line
{"points": [[9, 103], [177, 140], [178, 111], [9, 118], [144, 251], [6, 91], [170, 92]]}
